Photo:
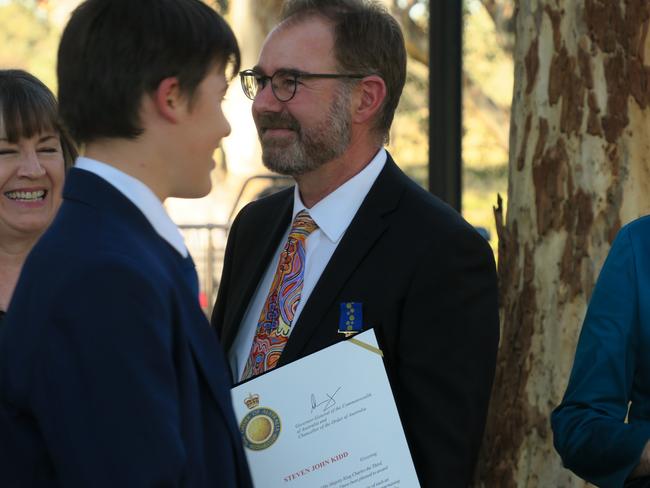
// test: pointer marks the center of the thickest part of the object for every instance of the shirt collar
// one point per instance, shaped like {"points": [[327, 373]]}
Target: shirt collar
{"points": [[334, 213], [141, 196]]}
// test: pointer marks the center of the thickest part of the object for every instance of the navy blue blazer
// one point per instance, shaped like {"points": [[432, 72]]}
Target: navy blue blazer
{"points": [[110, 375], [611, 369]]}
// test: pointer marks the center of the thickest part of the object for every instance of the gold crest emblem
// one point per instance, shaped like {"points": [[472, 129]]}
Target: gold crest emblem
{"points": [[260, 427]]}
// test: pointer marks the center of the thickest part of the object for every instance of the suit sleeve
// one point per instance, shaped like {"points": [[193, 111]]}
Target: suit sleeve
{"points": [[590, 432], [448, 345], [104, 387]]}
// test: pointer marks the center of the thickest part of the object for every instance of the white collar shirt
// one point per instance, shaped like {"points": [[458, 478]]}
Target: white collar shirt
{"points": [[333, 215], [141, 196]]}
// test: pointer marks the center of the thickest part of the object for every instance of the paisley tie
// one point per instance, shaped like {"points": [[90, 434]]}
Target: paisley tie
{"points": [[274, 324]]}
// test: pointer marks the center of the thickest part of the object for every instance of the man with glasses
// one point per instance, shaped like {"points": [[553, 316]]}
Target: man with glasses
{"points": [[356, 244]]}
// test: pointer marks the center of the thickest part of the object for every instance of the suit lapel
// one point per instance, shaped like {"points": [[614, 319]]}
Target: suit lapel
{"points": [[365, 229], [258, 254], [200, 336], [203, 342]]}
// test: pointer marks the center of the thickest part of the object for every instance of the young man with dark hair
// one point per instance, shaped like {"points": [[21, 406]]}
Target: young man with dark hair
{"points": [[364, 237], [109, 372]]}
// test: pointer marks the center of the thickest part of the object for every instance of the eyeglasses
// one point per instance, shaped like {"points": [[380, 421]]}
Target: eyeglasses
{"points": [[284, 83]]}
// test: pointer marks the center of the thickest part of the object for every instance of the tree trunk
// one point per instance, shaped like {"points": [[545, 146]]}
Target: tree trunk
{"points": [[579, 168]]}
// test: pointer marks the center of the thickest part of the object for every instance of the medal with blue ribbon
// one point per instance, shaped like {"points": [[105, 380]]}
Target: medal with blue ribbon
{"points": [[350, 318]]}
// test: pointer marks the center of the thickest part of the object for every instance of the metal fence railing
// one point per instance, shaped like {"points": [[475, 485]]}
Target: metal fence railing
{"points": [[207, 242]]}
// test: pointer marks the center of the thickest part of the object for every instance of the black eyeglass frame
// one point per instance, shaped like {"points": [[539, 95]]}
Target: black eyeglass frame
{"points": [[251, 73]]}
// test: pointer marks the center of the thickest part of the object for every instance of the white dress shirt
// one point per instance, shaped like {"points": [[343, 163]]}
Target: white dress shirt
{"points": [[333, 215], [141, 196]]}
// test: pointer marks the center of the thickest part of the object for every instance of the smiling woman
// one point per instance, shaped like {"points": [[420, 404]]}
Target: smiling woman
{"points": [[34, 153]]}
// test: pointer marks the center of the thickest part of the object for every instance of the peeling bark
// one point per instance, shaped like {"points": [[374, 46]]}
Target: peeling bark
{"points": [[594, 127], [578, 219], [532, 66], [549, 181], [524, 144], [618, 91]]}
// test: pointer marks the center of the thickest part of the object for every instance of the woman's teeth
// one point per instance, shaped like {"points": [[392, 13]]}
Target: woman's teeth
{"points": [[26, 196]]}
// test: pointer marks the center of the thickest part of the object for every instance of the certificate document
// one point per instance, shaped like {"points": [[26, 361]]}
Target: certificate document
{"points": [[328, 420]]}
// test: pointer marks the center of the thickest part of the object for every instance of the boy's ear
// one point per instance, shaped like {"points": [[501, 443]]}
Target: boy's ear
{"points": [[168, 99]]}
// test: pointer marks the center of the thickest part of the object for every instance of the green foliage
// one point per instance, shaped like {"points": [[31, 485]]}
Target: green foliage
{"points": [[28, 40], [409, 137], [220, 6], [488, 70]]}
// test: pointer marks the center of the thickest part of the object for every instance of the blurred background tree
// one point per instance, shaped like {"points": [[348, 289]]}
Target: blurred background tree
{"points": [[30, 30], [28, 38]]}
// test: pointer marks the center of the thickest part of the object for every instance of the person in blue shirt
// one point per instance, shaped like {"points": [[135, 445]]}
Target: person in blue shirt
{"points": [[602, 427]]}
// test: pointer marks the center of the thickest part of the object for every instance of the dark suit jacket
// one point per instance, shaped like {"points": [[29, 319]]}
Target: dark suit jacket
{"points": [[110, 375], [428, 286]]}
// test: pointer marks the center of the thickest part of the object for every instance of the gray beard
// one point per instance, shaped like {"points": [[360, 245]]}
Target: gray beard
{"points": [[313, 147]]}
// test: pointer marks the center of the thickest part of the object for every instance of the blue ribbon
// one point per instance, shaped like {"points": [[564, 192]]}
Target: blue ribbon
{"points": [[351, 318]]}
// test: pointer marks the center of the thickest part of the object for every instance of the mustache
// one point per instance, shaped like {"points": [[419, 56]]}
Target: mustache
{"points": [[277, 121]]}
